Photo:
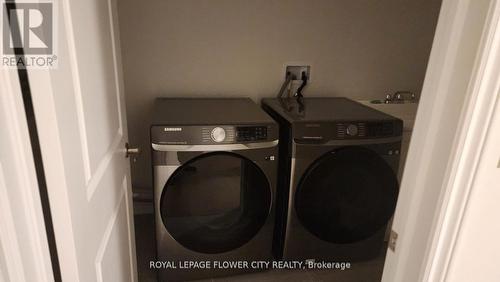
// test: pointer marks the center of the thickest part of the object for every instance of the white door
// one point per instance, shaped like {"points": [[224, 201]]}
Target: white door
{"points": [[80, 111], [455, 72]]}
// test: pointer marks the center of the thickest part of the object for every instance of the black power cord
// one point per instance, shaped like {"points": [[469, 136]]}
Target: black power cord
{"points": [[298, 95], [288, 79], [304, 83]]}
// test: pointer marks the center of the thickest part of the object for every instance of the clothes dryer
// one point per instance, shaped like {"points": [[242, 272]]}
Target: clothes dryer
{"points": [[338, 187], [215, 171]]}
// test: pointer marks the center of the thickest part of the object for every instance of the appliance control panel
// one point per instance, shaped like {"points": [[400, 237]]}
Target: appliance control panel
{"points": [[217, 134], [350, 129], [251, 133], [321, 132], [359, 130], [213, 134]]}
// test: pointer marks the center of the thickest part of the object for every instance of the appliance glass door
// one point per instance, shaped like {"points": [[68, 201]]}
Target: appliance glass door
{"points": [[346, 195], [215, 202]]}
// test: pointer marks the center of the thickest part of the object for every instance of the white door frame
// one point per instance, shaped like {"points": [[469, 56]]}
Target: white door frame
{"points": [[24, 249], [424, 255], [476, 124]]}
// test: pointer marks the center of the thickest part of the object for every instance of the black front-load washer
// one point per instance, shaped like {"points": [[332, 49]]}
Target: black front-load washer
{"points": [[338, 187], [215, 174]]}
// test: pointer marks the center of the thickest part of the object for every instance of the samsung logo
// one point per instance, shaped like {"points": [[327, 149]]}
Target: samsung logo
{"points": [[172, 129]]}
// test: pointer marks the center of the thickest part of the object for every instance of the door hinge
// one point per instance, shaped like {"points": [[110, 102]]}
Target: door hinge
{"points": [[392, 240]]}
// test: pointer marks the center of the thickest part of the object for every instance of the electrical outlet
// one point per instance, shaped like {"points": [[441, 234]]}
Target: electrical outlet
{"points": [[296, 72]]}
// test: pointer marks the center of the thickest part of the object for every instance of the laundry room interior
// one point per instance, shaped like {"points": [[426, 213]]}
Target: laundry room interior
{"points": [[249, 140], [372, 52]]}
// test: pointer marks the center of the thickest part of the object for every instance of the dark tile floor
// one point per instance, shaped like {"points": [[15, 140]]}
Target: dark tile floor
{"points": [[359, 272]]}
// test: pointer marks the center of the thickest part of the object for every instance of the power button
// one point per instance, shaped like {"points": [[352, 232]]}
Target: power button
{"points": [[352, 130], [218, 134]]}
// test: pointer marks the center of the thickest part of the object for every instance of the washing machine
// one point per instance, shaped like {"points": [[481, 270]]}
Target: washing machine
{"points": [[215, 175], [338, 185]]}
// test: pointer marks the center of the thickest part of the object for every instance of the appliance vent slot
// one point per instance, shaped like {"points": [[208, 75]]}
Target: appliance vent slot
{"points": [[362, 129], [341, 130]]}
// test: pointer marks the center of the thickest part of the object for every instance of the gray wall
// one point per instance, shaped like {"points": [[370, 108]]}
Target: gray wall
{"points": [[361, 49]]}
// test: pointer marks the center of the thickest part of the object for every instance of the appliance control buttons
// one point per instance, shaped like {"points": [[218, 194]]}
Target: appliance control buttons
{"points": [[218, 134], [251, 133], [352, 130]]}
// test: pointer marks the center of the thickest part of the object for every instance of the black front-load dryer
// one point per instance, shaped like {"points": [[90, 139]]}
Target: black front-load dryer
{"points": [[215, 174], [338, 187]]}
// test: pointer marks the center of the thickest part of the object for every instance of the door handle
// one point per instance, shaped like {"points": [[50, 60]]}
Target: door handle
{"points": [[131, 151]]}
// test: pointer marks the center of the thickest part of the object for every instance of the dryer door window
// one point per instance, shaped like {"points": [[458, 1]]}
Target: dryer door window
{"points": [[346, 195], [216, 202]]}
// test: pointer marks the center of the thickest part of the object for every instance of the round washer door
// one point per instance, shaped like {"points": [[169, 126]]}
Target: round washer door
{"points": [[346, 195], [216, 202]]}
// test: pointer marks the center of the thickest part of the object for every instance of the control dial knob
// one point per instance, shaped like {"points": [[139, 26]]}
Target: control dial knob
{"points": [[218, 134], [352, 130]]}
